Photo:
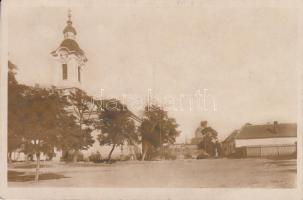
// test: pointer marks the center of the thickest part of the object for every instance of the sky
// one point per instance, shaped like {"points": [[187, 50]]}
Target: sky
{"points": [[244, 57]]}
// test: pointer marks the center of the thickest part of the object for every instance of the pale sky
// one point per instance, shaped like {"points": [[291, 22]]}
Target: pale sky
{"points": [[246, 56]]}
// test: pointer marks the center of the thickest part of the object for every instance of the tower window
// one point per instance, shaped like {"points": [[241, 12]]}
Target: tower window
{"points": [[79, 74], [64, 71]]}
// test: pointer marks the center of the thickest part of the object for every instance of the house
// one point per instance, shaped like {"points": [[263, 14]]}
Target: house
{"points": [[229, 144], [267, 140]]}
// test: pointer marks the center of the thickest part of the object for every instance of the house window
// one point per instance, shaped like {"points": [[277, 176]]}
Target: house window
{"points": [[79, 74], [64, 71]]}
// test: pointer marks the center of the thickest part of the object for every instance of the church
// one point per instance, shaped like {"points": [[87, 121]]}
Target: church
{"points": [[67, 77], [71, 61]]}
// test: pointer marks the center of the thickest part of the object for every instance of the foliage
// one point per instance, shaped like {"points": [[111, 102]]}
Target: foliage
{"points": [[124, 157], [41, 118], [203, 155], [157, 128], [170, 155], [116, 125], [82, 106], [73, 138], [209, 140], [39, 121], [80, 138], [188, 155], [15, 105], [95, 157]]}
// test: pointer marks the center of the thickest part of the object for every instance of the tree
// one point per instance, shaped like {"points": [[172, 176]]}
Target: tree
{"points": [[209, 138], [74, 138], [39, 121], [49, 125], [15, 105], [41, 118], [157, 129], [116, 124], [82, 107]]}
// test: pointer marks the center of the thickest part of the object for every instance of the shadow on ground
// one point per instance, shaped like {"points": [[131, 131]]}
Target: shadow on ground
{"points": [[282, 162], [28, 166], [14, 176]]}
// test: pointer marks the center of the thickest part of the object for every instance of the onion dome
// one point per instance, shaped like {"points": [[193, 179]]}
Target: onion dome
{"points": [[69, 28], [69, 31], [69, 45]]}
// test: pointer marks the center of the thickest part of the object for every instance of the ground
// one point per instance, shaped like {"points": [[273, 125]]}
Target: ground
{"points": [[178, 173]]}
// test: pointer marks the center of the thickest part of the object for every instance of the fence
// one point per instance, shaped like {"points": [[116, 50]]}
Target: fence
{"points": [[268, 151]]}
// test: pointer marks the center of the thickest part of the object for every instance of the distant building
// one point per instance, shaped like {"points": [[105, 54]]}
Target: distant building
{"points": [[268, 140], [184, 151]]}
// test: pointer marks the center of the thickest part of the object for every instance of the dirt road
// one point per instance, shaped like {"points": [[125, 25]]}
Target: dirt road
{"points": [[178, 173]]}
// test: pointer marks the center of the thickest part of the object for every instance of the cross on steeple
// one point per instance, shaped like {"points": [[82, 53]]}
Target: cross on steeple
{"points": [[69, 15]]}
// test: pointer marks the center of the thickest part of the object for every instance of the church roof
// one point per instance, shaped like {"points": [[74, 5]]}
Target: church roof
{"points": [[72, 47], [268, 131]]}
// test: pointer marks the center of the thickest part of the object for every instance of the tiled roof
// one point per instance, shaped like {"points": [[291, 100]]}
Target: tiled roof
{"points": [[232, 136], [268, 131]]}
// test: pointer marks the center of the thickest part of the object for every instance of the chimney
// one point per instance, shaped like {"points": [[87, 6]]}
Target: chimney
{"points": [[275, 126]]}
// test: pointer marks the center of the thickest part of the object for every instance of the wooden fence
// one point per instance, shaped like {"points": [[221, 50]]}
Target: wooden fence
{"points": [[268, 151]]}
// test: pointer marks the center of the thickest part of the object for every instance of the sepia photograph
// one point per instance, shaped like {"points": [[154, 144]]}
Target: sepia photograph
{"points": [[151, 94]]}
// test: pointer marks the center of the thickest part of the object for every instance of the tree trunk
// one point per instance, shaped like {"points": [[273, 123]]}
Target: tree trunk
{"points": [[9, 157], [110, 153], [75, 156], [37, 167], [132, 152], [144, 153]]}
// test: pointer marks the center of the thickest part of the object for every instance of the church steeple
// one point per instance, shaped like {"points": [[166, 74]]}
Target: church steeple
{"points": [[70, 56], [69, 31]]}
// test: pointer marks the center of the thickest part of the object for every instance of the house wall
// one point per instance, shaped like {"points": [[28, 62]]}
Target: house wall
{"points": [[20, 156], [228, 148], [265, 141]]}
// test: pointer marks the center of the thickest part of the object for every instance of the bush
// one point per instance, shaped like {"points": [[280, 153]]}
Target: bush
{"points": [[72, 156], [202, 155], [188, 155], [124, 157], [170, 155], [80, 157], [95, 157]]}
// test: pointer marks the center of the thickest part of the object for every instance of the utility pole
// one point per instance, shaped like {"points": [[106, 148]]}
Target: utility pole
{"points": [[161, 143]]}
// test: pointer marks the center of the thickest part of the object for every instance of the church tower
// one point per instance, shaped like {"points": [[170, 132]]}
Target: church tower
{"points": [[71, 59]]}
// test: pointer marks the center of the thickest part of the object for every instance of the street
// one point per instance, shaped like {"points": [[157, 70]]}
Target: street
{"points": [[178, 173]]}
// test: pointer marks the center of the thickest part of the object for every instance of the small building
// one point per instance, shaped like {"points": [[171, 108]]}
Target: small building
{"points": [[267, 140]]}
